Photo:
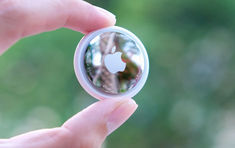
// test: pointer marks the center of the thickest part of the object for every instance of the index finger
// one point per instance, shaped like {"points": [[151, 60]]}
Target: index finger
{"points": [[20, 18]]}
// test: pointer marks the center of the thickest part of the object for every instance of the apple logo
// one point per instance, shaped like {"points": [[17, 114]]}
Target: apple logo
{"points": [[114, 63]]}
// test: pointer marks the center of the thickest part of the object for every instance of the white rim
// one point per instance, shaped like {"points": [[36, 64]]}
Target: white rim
{"points": [[80, 70]]}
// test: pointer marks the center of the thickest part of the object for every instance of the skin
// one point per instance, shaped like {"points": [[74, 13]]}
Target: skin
{"points": [[90, 127]]}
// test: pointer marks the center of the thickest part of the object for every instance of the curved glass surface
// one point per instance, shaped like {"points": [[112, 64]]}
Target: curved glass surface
{"points": [[113, 62]]}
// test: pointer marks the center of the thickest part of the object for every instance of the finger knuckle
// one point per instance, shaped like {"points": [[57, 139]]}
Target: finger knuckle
{"points": [[12, 17]]}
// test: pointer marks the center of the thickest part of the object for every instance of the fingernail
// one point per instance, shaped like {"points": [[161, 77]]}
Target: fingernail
{"points": [[107, 13], [120, 114]]}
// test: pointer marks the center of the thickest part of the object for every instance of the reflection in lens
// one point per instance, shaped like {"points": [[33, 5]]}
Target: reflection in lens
{"points": [[109, 76]]}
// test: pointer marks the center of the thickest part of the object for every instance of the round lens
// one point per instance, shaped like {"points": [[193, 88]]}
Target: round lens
{"points": [[113, 62]]}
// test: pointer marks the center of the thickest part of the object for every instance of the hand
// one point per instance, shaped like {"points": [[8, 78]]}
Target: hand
{"points": [[90, 127], [87, 129], [20, 18]]}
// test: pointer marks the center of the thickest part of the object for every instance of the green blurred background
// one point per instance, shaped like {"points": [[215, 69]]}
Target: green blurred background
{"points": [[187, 102]]}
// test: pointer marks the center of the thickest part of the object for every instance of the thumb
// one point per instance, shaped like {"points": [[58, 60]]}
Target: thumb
{"points": [[90, 127]]}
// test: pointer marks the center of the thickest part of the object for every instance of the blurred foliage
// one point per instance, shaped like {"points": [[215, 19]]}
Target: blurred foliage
{"points": [[187, 102]]}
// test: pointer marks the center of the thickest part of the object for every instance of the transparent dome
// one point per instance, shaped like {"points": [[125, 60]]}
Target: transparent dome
{"points": [[113, 62]]}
